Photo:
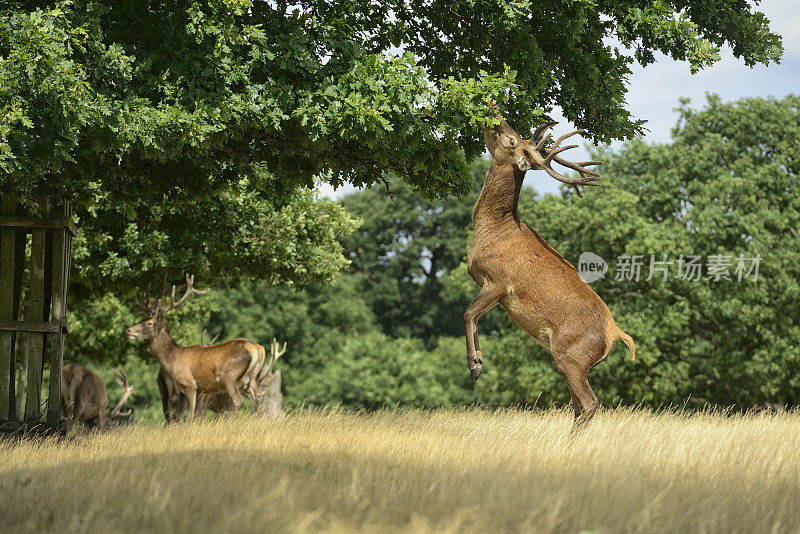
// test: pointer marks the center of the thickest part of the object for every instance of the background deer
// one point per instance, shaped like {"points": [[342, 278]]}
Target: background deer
{"points": [[212, 369], [270, 397], [173, 404], [84, 397], [516, 268]]}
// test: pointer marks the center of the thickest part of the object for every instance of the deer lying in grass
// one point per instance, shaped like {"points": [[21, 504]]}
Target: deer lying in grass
{"points": [[516, 268], [84, 397], [196, 369]]}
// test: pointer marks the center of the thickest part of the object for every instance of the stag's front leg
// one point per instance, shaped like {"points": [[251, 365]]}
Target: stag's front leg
{"points": [[252, 392], [191, 397], [180, 408], [165, 397], [485, 301], [233, 392]]}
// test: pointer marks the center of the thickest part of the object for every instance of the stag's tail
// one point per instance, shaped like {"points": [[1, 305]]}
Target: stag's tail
{"points": [[628, 340], [257, 356]]}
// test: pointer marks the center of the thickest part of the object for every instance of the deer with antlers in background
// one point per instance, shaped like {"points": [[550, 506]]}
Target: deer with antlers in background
{"points": [[541, 291], [198, 369], [270, 397], [84, 397]]}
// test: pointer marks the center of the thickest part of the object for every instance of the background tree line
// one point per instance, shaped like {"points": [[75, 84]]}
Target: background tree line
{"points": [[388, 331]]}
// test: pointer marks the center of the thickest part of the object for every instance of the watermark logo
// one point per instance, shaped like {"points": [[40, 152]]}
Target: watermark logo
{"points": [[591, 267], [688, 267]]}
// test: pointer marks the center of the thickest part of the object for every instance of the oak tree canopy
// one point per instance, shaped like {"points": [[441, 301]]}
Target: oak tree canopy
{"points": [[145, 98]]}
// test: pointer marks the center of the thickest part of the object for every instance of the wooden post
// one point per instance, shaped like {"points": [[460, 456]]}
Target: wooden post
{"points": [[35, 313], [44, 314], [19, 270], [59, 294], [7, 264]]}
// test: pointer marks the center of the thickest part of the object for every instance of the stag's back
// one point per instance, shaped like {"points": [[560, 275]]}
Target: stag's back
{"points": [[210, 363]]}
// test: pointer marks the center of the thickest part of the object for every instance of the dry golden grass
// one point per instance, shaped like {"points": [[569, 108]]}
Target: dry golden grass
{"points": [[442, 471]]}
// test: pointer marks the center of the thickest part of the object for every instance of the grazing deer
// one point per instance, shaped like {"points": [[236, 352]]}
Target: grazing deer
{"points": [[516, 268], [84, 397], [196, 369], [270, 398]]}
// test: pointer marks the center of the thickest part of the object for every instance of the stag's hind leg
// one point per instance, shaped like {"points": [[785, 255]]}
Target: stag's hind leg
{"points": [[574, 361], [584, 400]]}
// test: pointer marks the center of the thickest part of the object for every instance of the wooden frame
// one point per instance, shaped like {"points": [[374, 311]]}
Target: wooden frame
{"points": [[42, 329]]}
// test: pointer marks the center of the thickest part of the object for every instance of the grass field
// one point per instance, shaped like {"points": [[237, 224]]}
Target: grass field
{"points": [[441, 471]]}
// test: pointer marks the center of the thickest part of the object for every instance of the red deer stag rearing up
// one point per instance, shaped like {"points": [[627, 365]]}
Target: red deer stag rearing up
{"points": [[516, 268], [198, 369]]}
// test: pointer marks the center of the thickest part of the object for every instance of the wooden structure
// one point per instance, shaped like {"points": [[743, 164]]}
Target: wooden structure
{"points": [[34, 267]]}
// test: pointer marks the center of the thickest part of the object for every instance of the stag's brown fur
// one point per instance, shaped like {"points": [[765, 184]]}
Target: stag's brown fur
{"points": [[540, 290], [173, 404], [84, 397], [199, 369], [268, 397]]}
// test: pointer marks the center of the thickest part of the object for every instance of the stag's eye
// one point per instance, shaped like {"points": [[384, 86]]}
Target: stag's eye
{"points": [[512, 142]]}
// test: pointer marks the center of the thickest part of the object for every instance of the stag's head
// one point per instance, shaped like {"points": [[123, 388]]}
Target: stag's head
{"points": [[507, 147], [150, 327], [155, 309]]}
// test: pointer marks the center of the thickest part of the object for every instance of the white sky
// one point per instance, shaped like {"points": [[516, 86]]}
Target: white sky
{"points": [[653, 92]]}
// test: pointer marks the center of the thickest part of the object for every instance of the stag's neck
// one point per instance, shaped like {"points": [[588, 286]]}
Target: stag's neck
{"points": [[499, 198], [164, 348]]}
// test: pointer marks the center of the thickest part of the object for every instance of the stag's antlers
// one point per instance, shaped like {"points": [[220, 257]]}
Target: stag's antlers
{"points": [[127, 391], [190, 290], [203, 338], [149, 306], [146, 306], [543, 156], [275, 352]]}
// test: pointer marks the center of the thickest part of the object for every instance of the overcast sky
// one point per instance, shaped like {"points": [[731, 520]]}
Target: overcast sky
{"points": [[653, 92]]}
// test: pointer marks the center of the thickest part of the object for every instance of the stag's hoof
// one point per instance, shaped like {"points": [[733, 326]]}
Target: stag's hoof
{"points": [[475, 373], [476, 368]]}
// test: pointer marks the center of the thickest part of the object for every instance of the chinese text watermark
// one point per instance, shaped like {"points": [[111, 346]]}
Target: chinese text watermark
{"points": [[689, 267]]}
